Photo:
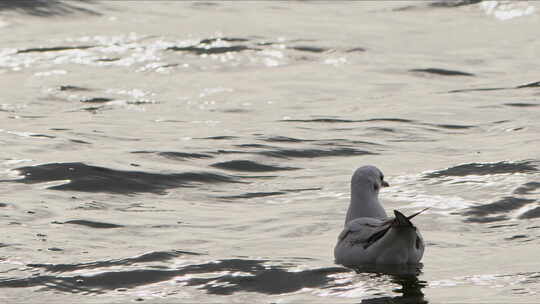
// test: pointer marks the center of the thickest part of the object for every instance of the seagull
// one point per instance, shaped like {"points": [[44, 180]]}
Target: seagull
{"points": [[370, 236]]}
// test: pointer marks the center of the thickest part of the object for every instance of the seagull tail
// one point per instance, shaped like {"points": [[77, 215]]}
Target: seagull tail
{"points": [[401, 220], [417, 213]]}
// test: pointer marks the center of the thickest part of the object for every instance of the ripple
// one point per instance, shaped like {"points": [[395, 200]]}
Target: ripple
{"points": [[442, 72], [175, 155], [44, 8], [240, 275], [54, 49], [92, 224], [527, 188], [313, 153], [310, 49], [485, 169], [210, 50], [155, 256], [481, 213], [86, 178], [249, 166], [285, 139], [252, 195], [72, 88], [529, 85], [521, 104], [96, 100], [221, 137], [529, 214]]}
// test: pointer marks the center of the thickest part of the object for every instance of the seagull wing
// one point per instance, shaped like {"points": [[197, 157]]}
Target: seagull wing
{"points": [[364, 231]]}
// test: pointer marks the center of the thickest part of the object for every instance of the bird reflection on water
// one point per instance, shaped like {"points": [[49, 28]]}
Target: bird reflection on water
{"points": [[404, 275]]}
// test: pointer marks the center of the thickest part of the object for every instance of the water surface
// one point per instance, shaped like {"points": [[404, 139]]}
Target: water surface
{"points": [[202, 151]]}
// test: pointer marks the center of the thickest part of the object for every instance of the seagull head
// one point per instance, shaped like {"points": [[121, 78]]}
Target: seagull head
{"points": [[365, 185], [369, 179]]}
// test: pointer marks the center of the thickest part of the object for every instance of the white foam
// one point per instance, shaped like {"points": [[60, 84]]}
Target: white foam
{"points": [[506, 10]]}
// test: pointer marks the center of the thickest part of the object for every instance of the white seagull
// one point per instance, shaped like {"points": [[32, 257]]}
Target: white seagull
{"points": [[370, 236]]}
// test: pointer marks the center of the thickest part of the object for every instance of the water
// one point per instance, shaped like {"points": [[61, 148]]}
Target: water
{"points": [[202, 151]]}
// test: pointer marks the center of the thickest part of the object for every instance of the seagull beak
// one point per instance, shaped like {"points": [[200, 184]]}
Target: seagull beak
{"points": [[385, 184]]}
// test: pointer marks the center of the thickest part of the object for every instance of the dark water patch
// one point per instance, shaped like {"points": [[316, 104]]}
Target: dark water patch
{"points": [[477, 90], [454, 127], [107, 59], [31, 116], [54, 49], [93, 224], [86, 178], [453, 3], [533, 213], [2, 205], [252, 195], [521, 104], [59, 129], [344, 142], [487, 219], [228, 39], [285, 139], [382, 129], [310, 49], [221, 151], [337, 120], [517, 237], [78, 141], [438, 4], [234, 110], [155, 256], [210, 50], [176, 155], [527, 188], [96, 100], [482, 213], [183, 155], [356, 50], [323, 120], [313, 153], [46, 8], [42, 135], [72, 88], [443, 72], [272, 281], [93, 110], [389, 120], [260, 278], [141, 102], [484, 169], [254, 146], [529, 85], [249, 166], [502, 226], [222, 137], [55, 249]]}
